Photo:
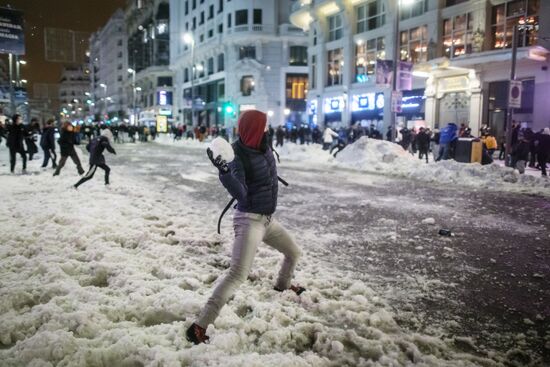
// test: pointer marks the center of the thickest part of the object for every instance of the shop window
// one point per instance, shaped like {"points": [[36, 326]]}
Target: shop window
{"points": [[335, 60], [257, 16], [366, 54], [296, 86], [457, 35], [508, 15], [298, 56], [414, 44], [370, 16], [415, 9], [247, 85], [335, 27], [247, 52], [241, 17]]}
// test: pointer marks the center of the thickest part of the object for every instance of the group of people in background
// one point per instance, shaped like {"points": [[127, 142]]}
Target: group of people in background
{"points": [[21, 140]]}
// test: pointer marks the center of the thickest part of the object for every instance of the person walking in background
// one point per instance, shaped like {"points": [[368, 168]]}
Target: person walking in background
{"points": [[66, 143], [490, 143], [543, 150], [280, 136], [328, 137], [447, 139], [434, 144], [16, 135], [96, 148], [47, 143], [520, 154], [30, 138], [423, 143]]}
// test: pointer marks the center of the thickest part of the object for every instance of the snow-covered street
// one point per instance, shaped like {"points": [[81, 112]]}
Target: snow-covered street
{"points": [[112, 276]]}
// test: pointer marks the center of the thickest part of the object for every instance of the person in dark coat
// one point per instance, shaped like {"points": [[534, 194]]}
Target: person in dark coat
{"points": [[16, 136], [543, 150], [520, 154], [280, 136], [423, 143], [47, 143], [251, 178], [406, 137], [96, 148], [66, 143], [30, 138]]}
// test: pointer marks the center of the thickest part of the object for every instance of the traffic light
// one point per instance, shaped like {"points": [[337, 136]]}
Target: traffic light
{"points": [[228, 108]]}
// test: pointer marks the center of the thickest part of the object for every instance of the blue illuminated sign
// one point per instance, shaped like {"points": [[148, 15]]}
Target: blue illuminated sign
{"points": [[335, 104]]}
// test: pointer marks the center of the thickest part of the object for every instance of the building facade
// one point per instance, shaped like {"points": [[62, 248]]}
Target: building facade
{"points": [[149, 88], [461, 56], [230, 56], [74, 93], [109, 70]]}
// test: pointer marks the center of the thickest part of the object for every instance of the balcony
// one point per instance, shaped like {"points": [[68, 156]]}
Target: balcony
{"points": [[290, 30], [257, 28]]}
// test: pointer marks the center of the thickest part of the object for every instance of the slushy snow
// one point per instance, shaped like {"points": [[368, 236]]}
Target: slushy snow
{"points": [[113, 277]]}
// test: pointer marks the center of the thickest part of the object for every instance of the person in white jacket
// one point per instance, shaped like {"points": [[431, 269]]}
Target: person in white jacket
{"points": [[328, 138]]}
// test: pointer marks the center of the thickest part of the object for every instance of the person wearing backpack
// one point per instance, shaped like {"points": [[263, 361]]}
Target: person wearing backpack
{"points": [[96, 148], [251, 178]]}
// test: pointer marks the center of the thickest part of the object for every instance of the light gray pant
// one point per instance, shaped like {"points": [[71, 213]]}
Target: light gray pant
{"points": [[250, 230]]}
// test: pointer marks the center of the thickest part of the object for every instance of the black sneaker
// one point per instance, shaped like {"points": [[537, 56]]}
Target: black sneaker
{"points": [[197, 334], [296, 289]]}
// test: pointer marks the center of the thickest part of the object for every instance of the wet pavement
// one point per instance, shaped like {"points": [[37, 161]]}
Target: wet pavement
{"points": [[487, 286]]}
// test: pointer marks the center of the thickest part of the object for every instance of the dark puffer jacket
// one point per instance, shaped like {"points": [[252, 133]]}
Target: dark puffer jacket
{"points": [[47, 140], [16, 135], [96, 148], [256, 193], [66, 143]]}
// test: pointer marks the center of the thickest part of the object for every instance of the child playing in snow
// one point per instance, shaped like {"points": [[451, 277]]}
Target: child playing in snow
{"points": [[251, 178], [96, 148]]}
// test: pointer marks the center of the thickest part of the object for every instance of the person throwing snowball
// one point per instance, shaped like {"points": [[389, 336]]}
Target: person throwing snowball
{"points": [[251, 178]]}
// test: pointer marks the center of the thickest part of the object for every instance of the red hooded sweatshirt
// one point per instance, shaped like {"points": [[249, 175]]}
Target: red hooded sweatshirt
{"points": [[252, 127]]}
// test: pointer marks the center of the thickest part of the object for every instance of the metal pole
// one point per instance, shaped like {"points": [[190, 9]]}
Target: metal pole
{"points": [[17, 72], [134, 93], [12, 100], [395, 62], [193, 83], [510, 111]]}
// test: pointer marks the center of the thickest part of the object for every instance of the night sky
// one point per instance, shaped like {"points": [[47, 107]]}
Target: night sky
{"points": [[77, 15]]}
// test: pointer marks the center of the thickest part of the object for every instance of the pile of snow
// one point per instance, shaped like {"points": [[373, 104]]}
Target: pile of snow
{"points": [[114, 276], [379, 156]]}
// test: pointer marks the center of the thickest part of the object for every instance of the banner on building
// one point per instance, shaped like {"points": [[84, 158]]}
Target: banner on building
{"points": [[12, 36], [162, 124], [396, 101], [384, 72], [404, 82]]}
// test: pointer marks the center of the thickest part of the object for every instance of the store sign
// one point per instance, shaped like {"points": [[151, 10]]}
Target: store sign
{"points": [[165, 111], [335, 104], [453, 84], [367, 102], [164, 98], [12, 37], [412, 102], [514, 95], [162, 124]]}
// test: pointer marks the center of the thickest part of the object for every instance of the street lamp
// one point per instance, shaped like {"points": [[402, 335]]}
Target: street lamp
{"points": [[396, 58], [190, 40], [133, 72]]}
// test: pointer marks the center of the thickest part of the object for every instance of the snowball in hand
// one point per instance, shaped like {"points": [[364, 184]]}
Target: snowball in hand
{"points": [[220, 146]]}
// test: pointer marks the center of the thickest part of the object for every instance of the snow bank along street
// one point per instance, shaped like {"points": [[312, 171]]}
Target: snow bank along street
{"points": [[113, 276]]}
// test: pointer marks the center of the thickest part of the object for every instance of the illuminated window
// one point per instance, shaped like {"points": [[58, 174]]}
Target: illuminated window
{"points": [[335, 60], [335, 28], [457, 35], [247, 85], [366, 54], [296, 86], [414, 44], [506, 16], [370, 16]]}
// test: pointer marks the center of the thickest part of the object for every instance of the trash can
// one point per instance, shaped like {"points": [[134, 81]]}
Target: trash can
{"points": [[468, 150]]}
